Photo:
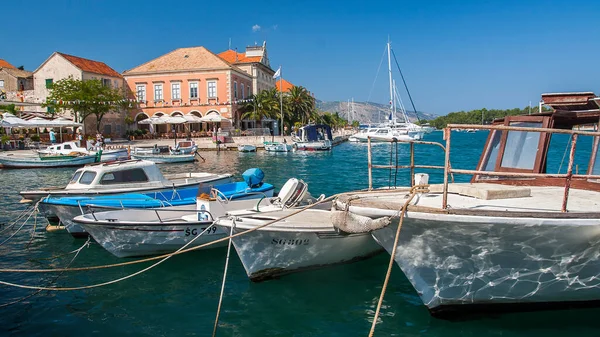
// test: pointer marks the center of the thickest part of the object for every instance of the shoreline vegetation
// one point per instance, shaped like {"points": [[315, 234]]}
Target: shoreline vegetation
{"points": [[479, 116]]}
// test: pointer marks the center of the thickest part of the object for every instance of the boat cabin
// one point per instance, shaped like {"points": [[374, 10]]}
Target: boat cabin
{"points": [[315, 133], [528, 152], [127, 173], [64, 148]]}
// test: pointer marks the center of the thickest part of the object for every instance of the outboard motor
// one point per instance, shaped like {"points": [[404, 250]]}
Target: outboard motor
{"points": [[253, 177]]}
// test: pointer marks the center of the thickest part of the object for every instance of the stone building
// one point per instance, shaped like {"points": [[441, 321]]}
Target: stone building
{"points": [[254, 62]]}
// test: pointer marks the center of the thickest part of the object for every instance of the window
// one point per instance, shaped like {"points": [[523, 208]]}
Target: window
{"points": [[106, 82], [141, 92], [116, 83], [49, 83], [193, 90], [158, 93], [490, 161], [243, 96], [521, 147], [235, 90], [596, 164], [176, 90], [87, 177], [67, 147], [1, 83], [212, 89], [125, 176], [75, 177]]}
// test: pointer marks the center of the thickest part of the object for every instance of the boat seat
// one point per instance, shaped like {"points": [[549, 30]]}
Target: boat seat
{"points": [[484, 191]]}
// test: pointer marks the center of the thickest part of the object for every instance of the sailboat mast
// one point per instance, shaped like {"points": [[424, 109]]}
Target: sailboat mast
{"points": [[390, 75]]}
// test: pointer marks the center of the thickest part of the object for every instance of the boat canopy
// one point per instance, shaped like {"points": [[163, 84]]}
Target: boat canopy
{"points": [[315, 132]]}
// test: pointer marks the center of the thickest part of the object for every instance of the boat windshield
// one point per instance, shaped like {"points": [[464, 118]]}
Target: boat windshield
{"points": [[75, 177], [596, 164], [87, 177], [125, 176], [521, 146]]}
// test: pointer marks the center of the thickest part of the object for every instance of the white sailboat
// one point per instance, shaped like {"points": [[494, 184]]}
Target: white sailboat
{"points": [[392, 130]]}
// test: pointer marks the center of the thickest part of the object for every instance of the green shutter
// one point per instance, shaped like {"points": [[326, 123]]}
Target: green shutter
{"points": [[49, 83]]}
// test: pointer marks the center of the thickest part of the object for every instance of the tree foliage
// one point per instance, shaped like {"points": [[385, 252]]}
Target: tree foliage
{"points": [[85, 98], [480, 116]]}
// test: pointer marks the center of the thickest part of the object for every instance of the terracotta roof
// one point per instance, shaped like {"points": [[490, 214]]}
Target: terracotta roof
{"points": [[4, 64], [91, 66], [287, 86], [230, 56], [18, 72], [182, 59]]}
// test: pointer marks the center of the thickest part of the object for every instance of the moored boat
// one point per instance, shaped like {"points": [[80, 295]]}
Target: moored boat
{"points": [[314, 137], [13, 161], [166, 158], [72, 149], [246, 148], [277, 147], [517, 237]]}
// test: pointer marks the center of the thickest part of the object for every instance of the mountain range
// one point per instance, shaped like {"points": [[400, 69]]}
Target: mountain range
{"points": [[367, 112]]}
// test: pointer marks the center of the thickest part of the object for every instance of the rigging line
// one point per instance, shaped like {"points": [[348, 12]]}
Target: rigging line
{"points": [[377, 74], [405, 86]]}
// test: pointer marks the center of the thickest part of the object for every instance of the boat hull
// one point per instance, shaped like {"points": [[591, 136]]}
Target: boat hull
{"points": [[280, 147], [459, 263], [148, 235], [36, 162], [313, 146], [247, 148], [112, 155], [166, 159], [266, 254]]}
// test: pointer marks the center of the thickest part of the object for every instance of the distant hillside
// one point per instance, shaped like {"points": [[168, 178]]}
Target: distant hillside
{"points": [[367, 112]]}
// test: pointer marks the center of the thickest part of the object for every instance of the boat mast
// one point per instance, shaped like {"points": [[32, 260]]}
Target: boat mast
{"points": [[390, 75]]}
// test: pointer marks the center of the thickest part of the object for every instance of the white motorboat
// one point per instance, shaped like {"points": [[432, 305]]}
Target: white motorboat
{"points": [[71, 148], [124, 177], [13, 161], [246, 148], [131, 232], [184, 147], [313, 137], [516, 237], [277, 147]]}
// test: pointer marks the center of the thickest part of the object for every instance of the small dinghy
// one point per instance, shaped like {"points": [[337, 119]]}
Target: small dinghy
{"points": [[246, 148]]}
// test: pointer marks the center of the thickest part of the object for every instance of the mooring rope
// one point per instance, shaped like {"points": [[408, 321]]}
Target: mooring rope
{"points": [[224, 277], [413, 192], [108, 282], [86, 244], [18, 229], [19, 217]]}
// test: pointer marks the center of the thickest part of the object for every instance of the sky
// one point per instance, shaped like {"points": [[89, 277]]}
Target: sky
{"points": [[454, 55]]}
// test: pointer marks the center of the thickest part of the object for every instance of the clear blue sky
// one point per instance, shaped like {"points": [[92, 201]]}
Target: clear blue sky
{"points": [[455, 55]]}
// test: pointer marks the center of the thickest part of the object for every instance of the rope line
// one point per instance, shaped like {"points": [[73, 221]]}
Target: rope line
{"points": [[413, 192], [224, 278]]}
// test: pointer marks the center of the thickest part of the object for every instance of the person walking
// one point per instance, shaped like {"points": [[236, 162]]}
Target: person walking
{"points": [[52, 136], [79, 138]]}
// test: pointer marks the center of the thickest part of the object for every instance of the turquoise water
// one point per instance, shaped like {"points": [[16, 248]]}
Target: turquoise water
{"points": [[180, 296]]}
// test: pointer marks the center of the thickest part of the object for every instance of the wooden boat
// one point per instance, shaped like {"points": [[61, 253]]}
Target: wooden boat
{"points": [[517, 237], [12, 161], [71, 149], [166, 158]]}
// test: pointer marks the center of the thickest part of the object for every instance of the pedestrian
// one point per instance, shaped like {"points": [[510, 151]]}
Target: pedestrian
{"points": [[52, 136], [98, 141], [79, 137]]}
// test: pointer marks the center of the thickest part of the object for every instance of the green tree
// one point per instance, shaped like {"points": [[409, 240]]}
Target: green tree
{"points": [[263, 105], [85, 98], [299, 105]]}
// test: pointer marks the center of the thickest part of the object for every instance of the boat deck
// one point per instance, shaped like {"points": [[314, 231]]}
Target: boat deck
{"points": [[485, 197], [308, 220]]}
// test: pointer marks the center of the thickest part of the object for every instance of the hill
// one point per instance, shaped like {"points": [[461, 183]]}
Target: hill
{"points": [[367, 112]]}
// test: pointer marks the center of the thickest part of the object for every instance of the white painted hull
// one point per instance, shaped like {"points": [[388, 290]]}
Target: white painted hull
{"points": [[246, 148], [281, 147], [166, 159], [313, 146], [456, 261], [287, 248], [35, 162], [150, 236]]}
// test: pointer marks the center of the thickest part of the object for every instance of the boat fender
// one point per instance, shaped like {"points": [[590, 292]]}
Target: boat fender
{"points": [[354, 223]]}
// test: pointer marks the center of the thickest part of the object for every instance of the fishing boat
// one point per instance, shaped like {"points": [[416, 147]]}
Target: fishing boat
{"points": [[277, 147], [16, 161], [66, 208], [138, 232], [246, 148], [302, 241], [313, 137], [70, 149], [184, 147], [517, 237], [165, 158], [124, 177]]}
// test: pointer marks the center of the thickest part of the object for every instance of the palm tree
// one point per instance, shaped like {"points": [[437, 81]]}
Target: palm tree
{"points": [[263, 105], [300, 104]]}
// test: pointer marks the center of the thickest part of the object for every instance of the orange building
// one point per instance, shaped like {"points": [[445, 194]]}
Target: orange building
{"points": [[190, 81]]}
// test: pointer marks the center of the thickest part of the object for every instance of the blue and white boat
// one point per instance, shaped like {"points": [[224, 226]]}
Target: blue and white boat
{"points": [[314, 137], [66, 208]]}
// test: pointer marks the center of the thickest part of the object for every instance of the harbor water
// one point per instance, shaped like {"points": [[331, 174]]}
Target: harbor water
{"points": [[180, 296]]}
